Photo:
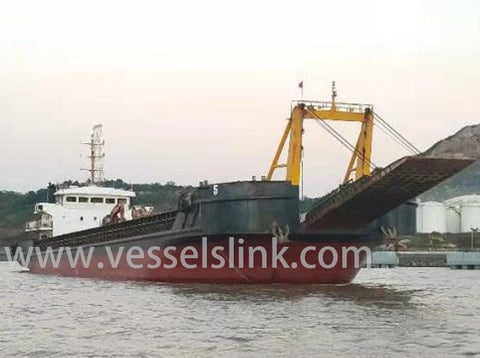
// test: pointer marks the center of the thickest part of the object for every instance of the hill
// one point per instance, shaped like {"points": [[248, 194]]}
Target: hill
{"points": [[15, 208], [464, 143]]}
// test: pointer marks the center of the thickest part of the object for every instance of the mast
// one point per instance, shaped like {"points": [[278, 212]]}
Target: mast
{"points": [[97, 155]]}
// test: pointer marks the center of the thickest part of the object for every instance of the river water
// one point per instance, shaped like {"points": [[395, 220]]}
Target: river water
{"points": [[416, 312]]}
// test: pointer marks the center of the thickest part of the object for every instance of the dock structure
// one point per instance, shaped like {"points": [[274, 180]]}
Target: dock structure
{"points": [[384, 259], [454, 259], [390, 259], [354, 205], [422, 258], [464, 260]]}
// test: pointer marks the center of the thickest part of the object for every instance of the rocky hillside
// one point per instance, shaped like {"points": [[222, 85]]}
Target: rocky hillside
{"points": [[464, 143]]}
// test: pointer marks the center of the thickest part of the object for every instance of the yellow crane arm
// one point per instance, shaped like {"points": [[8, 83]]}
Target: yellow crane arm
{"points": [[360, 160]]}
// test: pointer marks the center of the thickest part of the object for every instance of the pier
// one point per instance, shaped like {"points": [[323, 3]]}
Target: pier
{"points": [[453, 259], [464, 260]]}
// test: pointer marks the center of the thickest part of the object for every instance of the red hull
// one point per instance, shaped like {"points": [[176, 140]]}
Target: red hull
{"points": [[344, 271]]}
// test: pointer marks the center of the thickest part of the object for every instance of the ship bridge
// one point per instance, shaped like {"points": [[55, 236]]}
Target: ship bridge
{"points": [[78, 208]]}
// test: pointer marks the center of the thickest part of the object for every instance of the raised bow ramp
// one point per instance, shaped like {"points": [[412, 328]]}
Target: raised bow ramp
{"points": [[354, 205]]}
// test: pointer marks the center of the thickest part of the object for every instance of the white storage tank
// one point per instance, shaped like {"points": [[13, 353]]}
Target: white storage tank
{"points": [[419, 217], [434, 217], [470, 216], [453, 219], [472, 198]]}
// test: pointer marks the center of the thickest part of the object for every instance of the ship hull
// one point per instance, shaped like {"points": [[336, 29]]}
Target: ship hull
{"points": [[239, 266]]}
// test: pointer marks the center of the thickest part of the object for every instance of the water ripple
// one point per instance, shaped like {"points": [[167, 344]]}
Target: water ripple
{"points": [[386, 312]]}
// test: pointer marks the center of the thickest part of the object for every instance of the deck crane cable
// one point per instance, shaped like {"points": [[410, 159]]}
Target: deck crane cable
{"points": [[339, 137], [384, 130], [342, 140], [402, 142], [398, 135], [395, 133]]}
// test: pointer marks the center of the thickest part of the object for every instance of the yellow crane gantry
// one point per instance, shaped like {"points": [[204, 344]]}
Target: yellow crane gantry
{"points": [[321, 111]]}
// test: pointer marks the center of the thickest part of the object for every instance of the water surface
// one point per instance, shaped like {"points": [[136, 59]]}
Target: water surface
{"points": [[386, 312]]}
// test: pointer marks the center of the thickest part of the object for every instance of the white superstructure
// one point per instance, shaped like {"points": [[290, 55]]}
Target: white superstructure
{"points": [[78, 208], [81, 208]]}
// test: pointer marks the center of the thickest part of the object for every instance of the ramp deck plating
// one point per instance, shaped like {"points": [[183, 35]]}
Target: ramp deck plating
{"points": [[355, 205]]}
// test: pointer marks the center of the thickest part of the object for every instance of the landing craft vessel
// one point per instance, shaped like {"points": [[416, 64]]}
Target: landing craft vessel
{"points": [[259, 215]]}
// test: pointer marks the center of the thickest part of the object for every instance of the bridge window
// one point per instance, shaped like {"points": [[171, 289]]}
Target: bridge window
{"points": [[123, 201], [71, 199], [96, 200], [110, 200], [83, 199]]}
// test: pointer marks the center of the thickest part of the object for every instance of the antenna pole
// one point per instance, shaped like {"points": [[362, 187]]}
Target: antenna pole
{"points": [[96, 156], [334, 94]]}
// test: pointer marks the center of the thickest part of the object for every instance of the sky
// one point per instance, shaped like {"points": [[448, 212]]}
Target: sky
{"points": [[200, 90]]}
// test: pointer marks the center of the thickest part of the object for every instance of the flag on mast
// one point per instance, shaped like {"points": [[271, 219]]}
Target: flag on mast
{"points": [[300, 85]]}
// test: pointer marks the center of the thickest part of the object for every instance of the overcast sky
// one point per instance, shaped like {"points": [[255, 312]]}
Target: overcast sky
{"points": [[198, 90]]}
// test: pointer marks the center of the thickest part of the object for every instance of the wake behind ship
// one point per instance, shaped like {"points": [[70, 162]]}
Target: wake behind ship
{"points": [[245, 231]]}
